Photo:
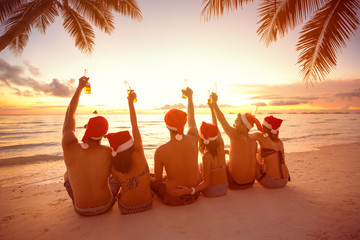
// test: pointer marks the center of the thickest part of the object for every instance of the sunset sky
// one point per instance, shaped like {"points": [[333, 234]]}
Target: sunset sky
{"points": [[171, 44]]}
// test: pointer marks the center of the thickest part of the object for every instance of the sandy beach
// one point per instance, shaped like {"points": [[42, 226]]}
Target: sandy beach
{"points": [[321, 202]]}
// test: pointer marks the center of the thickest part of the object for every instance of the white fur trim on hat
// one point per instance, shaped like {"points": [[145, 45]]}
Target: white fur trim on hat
{"points": [[266, 124], [178, 137], [171, 128], [123, 147], [245, 121], [206, 141]]}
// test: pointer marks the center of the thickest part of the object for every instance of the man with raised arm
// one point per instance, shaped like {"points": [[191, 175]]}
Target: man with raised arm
{"points": [[88, 163], [242, 163], [179, 157]]}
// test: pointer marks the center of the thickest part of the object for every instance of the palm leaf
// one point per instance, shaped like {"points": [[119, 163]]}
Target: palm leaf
{"points": [[125, 7], [46, 18], [19, 43], [216, 7], [277, 17], [8, 7], [129, 8], [97, 13], [18, 26], [324, 36], [79, 29]]}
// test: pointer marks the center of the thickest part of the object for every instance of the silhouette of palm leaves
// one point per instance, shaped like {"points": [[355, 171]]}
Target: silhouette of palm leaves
{"points": [[19, 17], [324, 35]]}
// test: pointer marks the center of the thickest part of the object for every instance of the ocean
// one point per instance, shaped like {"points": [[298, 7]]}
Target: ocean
{"points": [[33, 138]]}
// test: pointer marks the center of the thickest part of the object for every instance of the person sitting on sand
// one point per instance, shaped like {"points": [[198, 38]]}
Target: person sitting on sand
{"points": [[241, 166], [130, 168], [271, 170], [179, 156], [213, 167], [88, 163]]}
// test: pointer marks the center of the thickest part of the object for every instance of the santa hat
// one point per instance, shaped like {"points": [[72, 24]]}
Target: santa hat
{"points": [[272, 123], [96, 128], [175, 120], [120, 141], [208, 132], [249, 121]]}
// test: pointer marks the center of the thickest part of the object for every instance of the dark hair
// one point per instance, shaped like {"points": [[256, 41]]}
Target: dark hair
{"points": [[273, 137], [211, 147], [122, 162]]}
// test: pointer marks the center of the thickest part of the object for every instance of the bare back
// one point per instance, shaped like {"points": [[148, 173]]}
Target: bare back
{"points": [[242, 163], [88, 171], [271, 163], [180, 160]]}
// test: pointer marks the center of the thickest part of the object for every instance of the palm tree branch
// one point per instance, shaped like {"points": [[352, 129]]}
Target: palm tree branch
{"points": [[46, 18], [278, 16], [216, 7], [324, 36], [79, 29], [125, 7], [97, 13], [8, 7], [21, 21], [18, 44]]}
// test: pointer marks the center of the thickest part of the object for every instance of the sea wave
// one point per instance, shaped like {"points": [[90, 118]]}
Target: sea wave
{"points": [[28, 145], [310, 136], [30, 159]]}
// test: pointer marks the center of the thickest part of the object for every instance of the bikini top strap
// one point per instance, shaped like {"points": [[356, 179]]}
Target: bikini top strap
{"points": [[133, 181]]}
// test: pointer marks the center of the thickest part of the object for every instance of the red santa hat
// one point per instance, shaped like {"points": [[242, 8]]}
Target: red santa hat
{"points": [[249, 121], [272, 123], [96, 128], [208, 132], [120, 141], [175, 120]]}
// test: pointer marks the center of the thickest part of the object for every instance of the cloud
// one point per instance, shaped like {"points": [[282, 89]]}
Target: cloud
{"points": [[259, 104], [286, 102], [13, 77], [350, 94], [329, 93], [177, 105]]}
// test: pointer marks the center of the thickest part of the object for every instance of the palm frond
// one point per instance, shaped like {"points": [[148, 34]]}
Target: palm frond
{"points": [[324, 36], [19, 43], [8, 7], [278, 17], [97, 13], [46, 18], [215, 8], [124, 7], [129, 8], [79, 29], [21, 21]]}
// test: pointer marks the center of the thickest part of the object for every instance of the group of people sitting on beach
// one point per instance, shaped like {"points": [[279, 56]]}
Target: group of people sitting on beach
{"points": [[97, 176]]}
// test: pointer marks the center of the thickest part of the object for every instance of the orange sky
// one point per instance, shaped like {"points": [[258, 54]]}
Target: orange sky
{"points": [[156, 55]]}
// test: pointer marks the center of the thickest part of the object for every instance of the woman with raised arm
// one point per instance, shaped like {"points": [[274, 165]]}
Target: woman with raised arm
{"points": [[130, 168], [271, 170]]}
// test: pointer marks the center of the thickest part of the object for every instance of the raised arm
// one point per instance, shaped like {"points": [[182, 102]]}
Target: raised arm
{"points": [[69, 122], [191, 113], [213, 115], [133, 120], [220, 116]]}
